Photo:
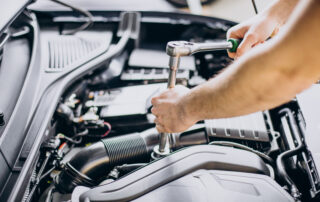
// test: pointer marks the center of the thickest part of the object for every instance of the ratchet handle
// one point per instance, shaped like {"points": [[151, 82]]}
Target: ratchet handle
{"points": [[235, 44]]}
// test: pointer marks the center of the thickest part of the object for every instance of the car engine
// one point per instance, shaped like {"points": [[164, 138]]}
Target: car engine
{"points": [[98, 144]]}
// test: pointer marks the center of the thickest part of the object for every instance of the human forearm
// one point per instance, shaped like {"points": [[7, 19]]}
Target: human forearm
{"points": [[249, 85], [280, 10], [272, 74]]}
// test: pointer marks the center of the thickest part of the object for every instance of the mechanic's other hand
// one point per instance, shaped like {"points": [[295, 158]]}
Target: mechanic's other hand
{"points": [[169, 110], [252, 32]]}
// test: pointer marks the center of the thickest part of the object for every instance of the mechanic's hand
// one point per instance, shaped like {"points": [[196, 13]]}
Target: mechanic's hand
{"points": [[169, 110], [252, 32]]}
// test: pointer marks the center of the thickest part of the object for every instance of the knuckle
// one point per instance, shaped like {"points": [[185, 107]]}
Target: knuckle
{"points": [[166, 92], [154, 100], [240, 51], [251, 36], [231, 32], [159, 120], [236, 31], [159, 128], [231, 55]]}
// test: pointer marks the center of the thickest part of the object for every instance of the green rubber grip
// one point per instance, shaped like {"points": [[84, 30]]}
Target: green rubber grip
{"points": [[235, 44]]}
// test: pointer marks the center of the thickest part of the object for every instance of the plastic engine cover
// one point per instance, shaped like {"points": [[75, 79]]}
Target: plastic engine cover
{"points": [[157, 177], [219, 186]]}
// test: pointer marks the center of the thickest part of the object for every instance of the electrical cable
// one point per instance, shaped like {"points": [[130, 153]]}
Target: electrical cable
{"points": [[240, 146], [109, 129], [38, 178], [108, 125], [61, 147], [280, 160], [83, 133], [80, 10], [62, 136], [46, 173], [254, 6]]}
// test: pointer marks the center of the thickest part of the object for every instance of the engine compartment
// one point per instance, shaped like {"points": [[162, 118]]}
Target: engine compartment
{"points": [[102, 132]]}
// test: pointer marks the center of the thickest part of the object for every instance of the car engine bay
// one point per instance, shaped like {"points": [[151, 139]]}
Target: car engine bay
{"points": [[99, 140]]}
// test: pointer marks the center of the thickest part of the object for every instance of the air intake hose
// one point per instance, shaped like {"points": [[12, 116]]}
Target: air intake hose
{"points": [[92, 164]]}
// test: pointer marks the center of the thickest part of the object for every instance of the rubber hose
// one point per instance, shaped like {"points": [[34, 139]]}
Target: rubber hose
{"points": [[92, 164]]}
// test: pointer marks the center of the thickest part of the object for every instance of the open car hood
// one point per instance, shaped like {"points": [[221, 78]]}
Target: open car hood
{"points": [[10, 11]]}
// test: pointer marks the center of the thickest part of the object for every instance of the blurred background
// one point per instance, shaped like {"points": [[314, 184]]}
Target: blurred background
{"points": [[235, 10]]}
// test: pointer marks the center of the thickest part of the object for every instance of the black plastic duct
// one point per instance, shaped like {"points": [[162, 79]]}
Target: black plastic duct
{"points": [[92, 164]]}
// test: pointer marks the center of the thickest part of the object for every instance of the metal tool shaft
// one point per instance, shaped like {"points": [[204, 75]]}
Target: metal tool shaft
{"points": [[201, 47], [163, 142], [173, 67], [185, 48]]}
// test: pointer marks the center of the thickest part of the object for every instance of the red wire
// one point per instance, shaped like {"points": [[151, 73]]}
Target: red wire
{"points": [[109, 129], [62, 146]]}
